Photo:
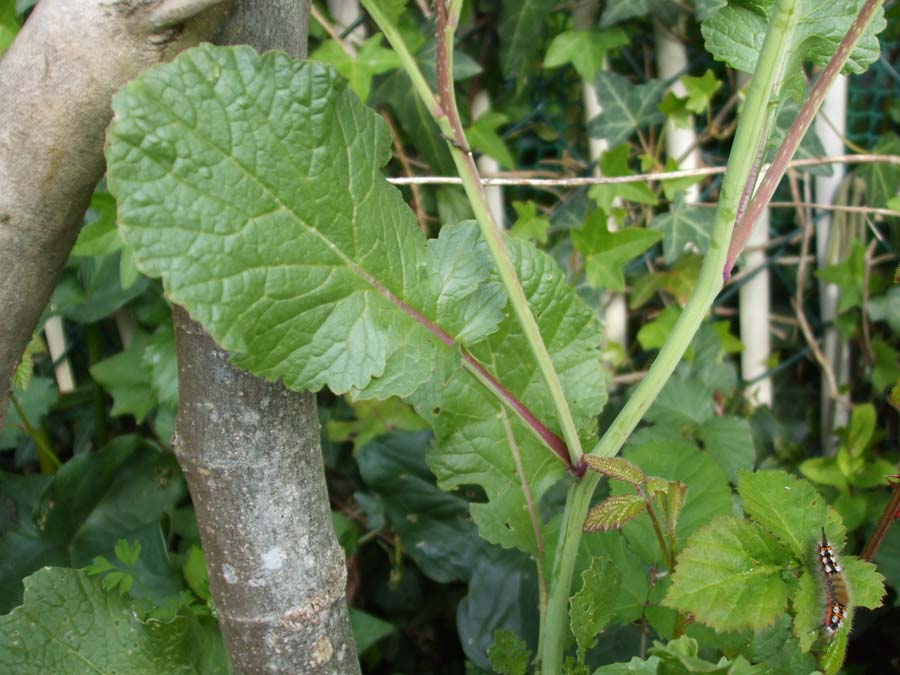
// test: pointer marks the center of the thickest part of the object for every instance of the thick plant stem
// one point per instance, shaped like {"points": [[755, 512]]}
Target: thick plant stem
{"points": [[747, 139], [443, 109]]}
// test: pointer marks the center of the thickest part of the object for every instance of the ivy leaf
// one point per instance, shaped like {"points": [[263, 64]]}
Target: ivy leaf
{"points": [[372, 59], [729, 576], [681, 402], [735, 34], [68, 620], [882, 180], [483, 136], [678, 281], [700, 90], [607, 253], [886, 308], [521, 32], [529, 225], [328, 278], [593, 604], [613, 512], [684, 226], [509, 655], [616, 11], [614, 163], [786, 506], [584, 49], [627, 107], [849, 277]]}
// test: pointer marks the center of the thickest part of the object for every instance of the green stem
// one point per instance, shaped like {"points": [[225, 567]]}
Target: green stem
{"points": [[48, 460], [740, 162], [94, 356], [445, 113]]}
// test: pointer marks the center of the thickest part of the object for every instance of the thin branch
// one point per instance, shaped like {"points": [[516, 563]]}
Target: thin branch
{"points": [[888, 516], [866, 331], [417, 207], [349, 49], [503, 179]]}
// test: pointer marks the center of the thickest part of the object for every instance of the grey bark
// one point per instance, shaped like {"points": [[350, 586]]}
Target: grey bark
{"points": [[251, 454], [56, 84]]}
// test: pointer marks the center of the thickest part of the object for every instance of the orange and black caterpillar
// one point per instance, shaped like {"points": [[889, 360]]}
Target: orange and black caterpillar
{"points": [[837, 596]]}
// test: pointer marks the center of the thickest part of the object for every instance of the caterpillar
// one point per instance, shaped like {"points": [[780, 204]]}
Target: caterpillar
{"points": [[837, 595]]}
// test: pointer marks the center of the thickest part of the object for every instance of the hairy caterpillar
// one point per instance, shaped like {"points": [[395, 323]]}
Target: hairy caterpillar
{"points": [[837, 595]]}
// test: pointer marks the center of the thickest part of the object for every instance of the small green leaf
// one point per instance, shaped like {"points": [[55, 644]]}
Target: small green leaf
{"points": [[99, 235], [700, 91], [862, 426], [368, 629], [483, 136], [392, 9], [849, 277], [886, 308], [128, 382], [528, 224], [615, 11], [593, 605], [613, 512], [882, 180], [508, 654], [886, 370], [682, 402], [678, 281], [627, 107], [807, 603], [35, 401], [616, 467], [824, 471], [835, 653], [607, 253], [372, 59], [584, 49], [128, 553], [374, 418], [195, 574], [866, 584], [22, 376], [615, 163], [684, 226], [636, 666], [653, 335], [729, 576]]}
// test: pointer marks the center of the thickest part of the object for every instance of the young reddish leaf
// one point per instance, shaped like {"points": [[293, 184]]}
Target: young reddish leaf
{"points": [[616, 467], [614, 512]]}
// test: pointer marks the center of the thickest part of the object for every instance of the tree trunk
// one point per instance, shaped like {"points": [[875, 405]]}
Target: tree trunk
{"points": [[56, 84], [251, 454]]}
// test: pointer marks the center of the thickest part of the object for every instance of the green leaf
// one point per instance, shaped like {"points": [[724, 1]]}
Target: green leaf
{"points": [[786, 506], [483, 136], [25, 369], [616, 467], [614, 163], [729, 441], [866, 584], [508, 654], [834, 654], [328, 278], [69, 624], [194, 571], [781, 653], [735, 35], [607, 253], [886, 308], [99, 235], [700, 90], [433, 524], [729, 576], [502, 592], [825, 471], [374, 418], [36, 401], [886, 370], [807, 602], [127, 380], [372, 59], [615, 11], [862, 427], [684, 226], [521, 33], [9, 25], [128, 553], [584, 49], [528, 224], [368, 629], [593, 605], [653, 335], [882, 180], [678, 281], [626, 107], [161, 362], [636, 666], [613, 512], [91, 289], [849, 276], [681, 402]]}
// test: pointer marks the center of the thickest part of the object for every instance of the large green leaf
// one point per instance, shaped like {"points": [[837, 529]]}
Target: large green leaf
{"points": [[521, 28], [69, 625], [684, 226], [735, 35], [252, 186]]}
